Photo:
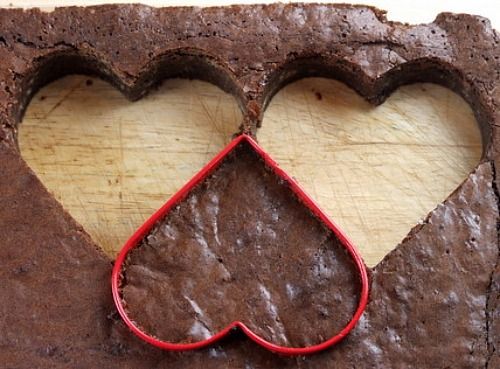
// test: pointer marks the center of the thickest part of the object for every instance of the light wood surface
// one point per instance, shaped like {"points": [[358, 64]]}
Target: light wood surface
{"points": [[376, 171]]}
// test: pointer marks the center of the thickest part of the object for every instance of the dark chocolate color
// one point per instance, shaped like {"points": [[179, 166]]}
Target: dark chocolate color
{"points": [[434, 300], [241, 247]]}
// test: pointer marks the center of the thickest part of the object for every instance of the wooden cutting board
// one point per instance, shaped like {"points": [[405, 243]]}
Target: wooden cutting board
{"points": [[377, 171]]}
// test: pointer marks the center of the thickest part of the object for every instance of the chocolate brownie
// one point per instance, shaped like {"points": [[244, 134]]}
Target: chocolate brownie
{"points": [[435, 299]]}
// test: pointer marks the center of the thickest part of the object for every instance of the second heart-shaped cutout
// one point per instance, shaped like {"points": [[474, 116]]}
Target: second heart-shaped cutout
{"points": [[377, 171]]}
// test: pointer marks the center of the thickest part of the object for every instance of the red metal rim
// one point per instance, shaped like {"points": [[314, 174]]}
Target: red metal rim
{"points": [[160, 213]]}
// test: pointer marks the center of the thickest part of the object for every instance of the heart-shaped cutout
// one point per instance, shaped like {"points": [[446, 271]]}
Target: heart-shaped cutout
{"points": [[240, 246], [112, 163], [377, 171]]}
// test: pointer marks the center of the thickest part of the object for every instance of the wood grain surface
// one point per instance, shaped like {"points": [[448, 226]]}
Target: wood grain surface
{"points": [[377, 171]]}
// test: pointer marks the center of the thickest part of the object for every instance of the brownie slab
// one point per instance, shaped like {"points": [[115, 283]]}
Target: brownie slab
{"points": [[434, 299]]}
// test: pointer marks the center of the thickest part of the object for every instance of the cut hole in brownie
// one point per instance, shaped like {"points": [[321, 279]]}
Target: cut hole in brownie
{"points": [[377, 171], [112, 162]]}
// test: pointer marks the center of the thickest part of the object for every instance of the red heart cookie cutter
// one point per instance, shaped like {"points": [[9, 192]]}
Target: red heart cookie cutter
{"points": [[139, 235]]}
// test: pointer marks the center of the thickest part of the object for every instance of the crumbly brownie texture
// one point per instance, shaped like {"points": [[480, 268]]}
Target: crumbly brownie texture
{"points": [[241, 247], [435, 299]]}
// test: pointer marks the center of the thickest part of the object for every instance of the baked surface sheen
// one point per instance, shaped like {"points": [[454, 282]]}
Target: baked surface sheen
{"points": [[241, 247], [435, 299]]}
